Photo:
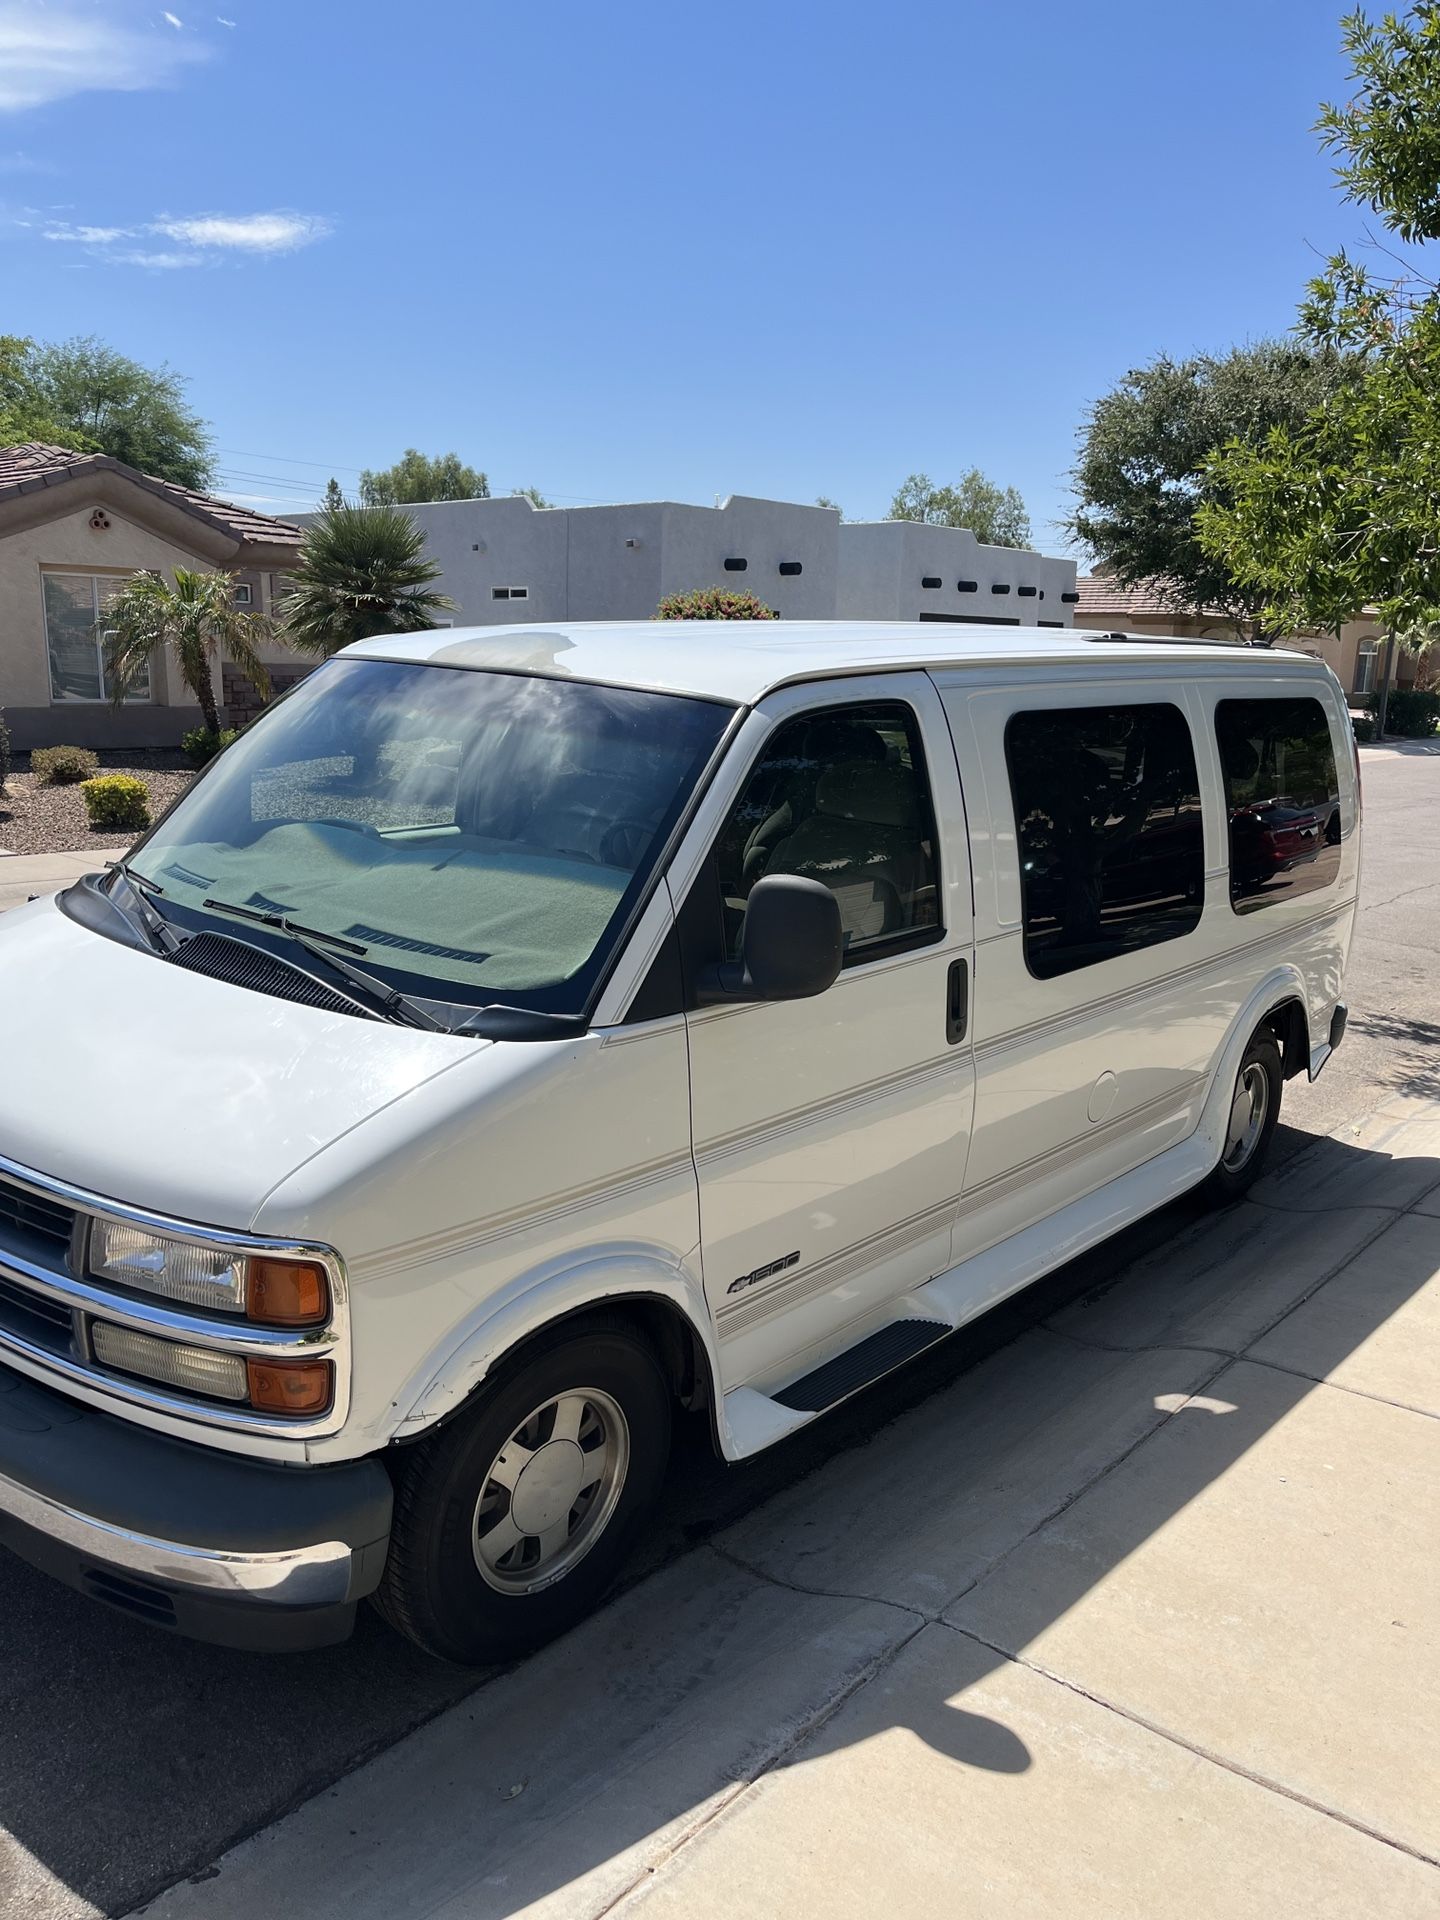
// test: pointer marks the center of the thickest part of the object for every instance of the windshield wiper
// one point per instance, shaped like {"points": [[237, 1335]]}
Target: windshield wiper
{"points": [[397, 1006], [146, 919]]}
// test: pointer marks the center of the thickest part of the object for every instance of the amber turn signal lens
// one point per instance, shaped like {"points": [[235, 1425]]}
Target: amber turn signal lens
{"points": [[286, 1293], [289, 1386]]}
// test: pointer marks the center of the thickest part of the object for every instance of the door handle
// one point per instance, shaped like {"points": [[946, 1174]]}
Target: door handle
{"points": [[957, 1001]]}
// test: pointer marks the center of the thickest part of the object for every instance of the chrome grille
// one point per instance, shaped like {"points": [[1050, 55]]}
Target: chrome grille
{"points": [[28, 1214], [33, 1318]]}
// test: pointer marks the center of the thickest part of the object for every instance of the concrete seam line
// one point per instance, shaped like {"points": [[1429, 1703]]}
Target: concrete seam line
{"points": [[1228, 1360], [818, 1593], [1250, 1359], [1360, 1206], [1191, 1746], [769, 1762]]}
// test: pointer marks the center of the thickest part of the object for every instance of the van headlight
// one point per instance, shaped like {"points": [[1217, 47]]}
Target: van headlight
{"points": [[275, 1290]]}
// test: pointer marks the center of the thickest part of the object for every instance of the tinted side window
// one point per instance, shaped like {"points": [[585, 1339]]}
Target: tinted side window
{"points": [[1282, 798], [1107, 816], [841, 797]]}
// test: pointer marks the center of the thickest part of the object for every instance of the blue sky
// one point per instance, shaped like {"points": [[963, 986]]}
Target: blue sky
{"points": [[661, 250]]}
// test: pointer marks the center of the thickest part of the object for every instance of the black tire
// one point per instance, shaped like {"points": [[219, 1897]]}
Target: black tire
{"points": [[433, 1590], [1233, 1178]]}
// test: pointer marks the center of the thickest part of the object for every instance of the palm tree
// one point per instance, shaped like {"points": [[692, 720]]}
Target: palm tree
{"points": [[361, 570], [197, 619]]}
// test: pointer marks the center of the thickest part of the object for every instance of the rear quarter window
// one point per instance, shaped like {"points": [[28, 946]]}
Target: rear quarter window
{"points": [[1282, 799]]}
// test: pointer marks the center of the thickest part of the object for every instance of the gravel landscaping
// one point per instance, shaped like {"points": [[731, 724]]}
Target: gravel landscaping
{"points": [[52, 819]]}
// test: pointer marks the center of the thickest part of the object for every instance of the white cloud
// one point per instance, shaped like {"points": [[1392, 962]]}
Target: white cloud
{"points": [[50, 53], [221, 21], [175, 21], [277, 232], [199, 240], [88, 236], [165, 260]]}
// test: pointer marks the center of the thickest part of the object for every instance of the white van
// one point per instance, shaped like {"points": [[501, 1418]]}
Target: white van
{"points": [[521, 1033]]}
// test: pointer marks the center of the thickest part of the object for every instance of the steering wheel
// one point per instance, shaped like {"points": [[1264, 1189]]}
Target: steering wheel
{"points": [[623, 842]]}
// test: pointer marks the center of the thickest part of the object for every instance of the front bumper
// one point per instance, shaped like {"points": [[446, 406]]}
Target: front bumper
{"points": [[213, 1545]]}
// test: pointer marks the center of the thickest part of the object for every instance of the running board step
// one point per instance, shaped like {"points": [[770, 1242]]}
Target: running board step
{"points": [[848, 1372]]}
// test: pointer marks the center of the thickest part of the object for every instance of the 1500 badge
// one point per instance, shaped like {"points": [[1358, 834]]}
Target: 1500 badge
{"points": [[763, 1273]]}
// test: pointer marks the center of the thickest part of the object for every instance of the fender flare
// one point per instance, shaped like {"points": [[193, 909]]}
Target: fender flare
{"points": [[1280, 987], [445, 1381]]}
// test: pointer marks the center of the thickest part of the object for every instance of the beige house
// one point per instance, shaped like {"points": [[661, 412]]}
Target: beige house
{"points": [[1354, 654], [74, 527]]}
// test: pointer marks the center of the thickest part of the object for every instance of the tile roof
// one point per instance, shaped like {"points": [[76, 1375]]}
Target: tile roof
{"points": [[1103, 593], [24, 469]]}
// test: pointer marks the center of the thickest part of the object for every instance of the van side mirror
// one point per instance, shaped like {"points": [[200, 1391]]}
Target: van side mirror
{"points": [[791, 946]]}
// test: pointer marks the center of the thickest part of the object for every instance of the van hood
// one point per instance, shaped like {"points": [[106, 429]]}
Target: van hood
{"points": [[159, 1087]]}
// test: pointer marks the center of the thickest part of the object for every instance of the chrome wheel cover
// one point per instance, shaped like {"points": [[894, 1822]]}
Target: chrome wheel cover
{"points": [[1248, 1110], [551, 1491]]}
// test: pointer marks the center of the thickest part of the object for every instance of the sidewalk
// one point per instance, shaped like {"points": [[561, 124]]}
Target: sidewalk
{"points": [[1138, 1618], [25, 874]]}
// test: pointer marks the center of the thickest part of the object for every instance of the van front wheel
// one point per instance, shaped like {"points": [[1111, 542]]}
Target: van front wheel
{"points": [[512, 1521], [1251, 1120]]}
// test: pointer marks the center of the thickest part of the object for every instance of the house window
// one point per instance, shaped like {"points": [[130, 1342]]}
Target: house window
{"points": [[74, 606], [509, 593], [1367, 662], [1108, 829], [244, 594]]}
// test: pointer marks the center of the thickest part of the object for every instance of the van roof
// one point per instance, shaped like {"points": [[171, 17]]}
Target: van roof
{"points": [[740, 661]]}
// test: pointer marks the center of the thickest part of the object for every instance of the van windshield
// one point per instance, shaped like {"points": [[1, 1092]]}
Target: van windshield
{"points": [[482, 837]]}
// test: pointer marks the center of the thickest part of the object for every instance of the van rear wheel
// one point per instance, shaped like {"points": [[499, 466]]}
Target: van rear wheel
{"points": [[512, 1521], [1251, 1121]]}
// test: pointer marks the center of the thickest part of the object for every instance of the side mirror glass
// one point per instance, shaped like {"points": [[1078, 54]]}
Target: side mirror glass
{"points": [[791, 947]]}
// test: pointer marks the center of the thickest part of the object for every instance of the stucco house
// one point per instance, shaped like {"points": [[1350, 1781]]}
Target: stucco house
{"points": [[1354, 654], [74, 527]]}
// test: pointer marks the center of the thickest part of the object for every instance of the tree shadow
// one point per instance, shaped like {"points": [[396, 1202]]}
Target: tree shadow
{"points": [[134, 1758], [1415, 1069]]}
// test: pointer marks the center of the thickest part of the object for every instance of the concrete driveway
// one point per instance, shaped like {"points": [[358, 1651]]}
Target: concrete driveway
{"points": [[1120, 1603]]}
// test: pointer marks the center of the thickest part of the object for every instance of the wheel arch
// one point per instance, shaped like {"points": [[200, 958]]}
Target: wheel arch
{"points": [[660, 1305], [1277, 1003]]}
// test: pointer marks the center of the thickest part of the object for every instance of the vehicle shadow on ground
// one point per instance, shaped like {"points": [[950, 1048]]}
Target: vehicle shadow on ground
{"points": [[134, 1759]]}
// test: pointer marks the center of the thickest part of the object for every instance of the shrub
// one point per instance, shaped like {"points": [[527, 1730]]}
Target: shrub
{"points": [[714, 603], [4, 751], [117, 802], [1364, 726], [62, 766], [200, 745], [1411, 713]]}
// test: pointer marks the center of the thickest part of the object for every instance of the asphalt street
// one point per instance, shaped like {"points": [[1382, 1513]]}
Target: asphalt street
{"points": [[130, 1760]]}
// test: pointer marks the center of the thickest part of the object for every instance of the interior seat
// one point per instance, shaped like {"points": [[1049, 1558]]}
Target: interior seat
{"points": [[863, 841]]}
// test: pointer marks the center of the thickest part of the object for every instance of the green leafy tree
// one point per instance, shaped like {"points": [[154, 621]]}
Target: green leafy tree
{"points": [[114, 405], [1341, 510], [824, 500], [713, 603], [333, 496], [416, 478], [1143, 470], [360, 571], [995, 515], [22, 413], [533, 495], [196, 620]]}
